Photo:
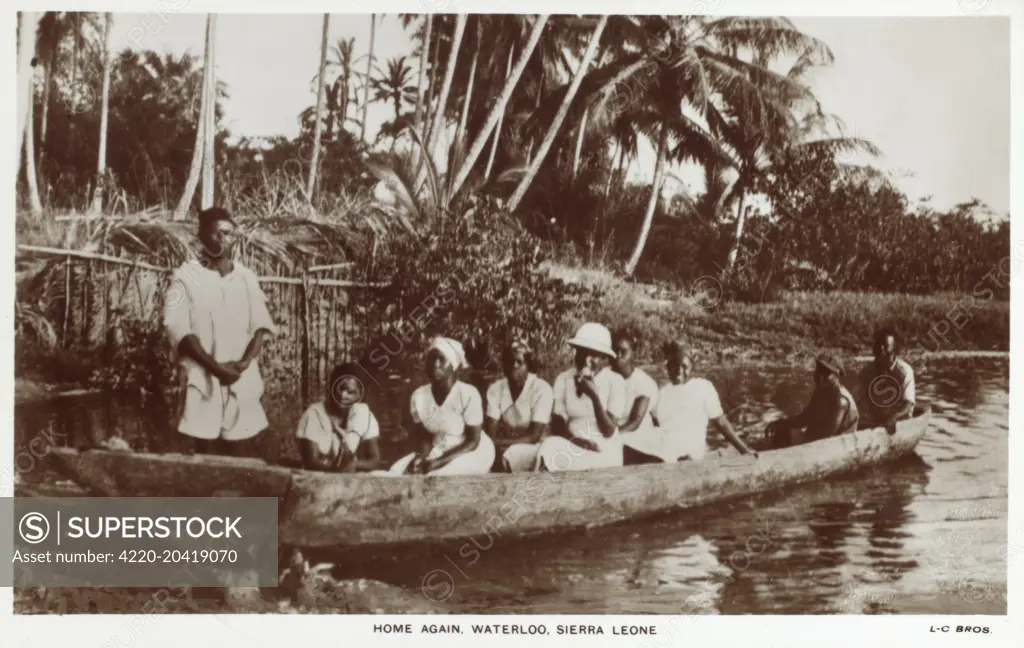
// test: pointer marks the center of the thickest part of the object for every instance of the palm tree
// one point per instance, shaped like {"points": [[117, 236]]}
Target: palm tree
{"points": [[318, 123], [27, 27], [339, 93], [442, 100], [210, 160], [208, 97], [497, 129], [424, 62], [52, 28], [499, 107], [369, 70], [394, 86], [687, 61], [101, 160], [796, 126], [556, 123], [460, 132]]}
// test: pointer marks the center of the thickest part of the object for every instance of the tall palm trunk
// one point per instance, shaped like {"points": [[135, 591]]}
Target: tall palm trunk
{"points": [[499, 107], [734, 249], [210, 159], [101, 158], [315, 158], [421, 111], [30, 157], [446, 87], [579, 144], [497, 129], [369, 70], [28, 22], [461, 131], [611, 172], [563, 110], [645, 230], [536, 106], [44, 119], [197, 152]]}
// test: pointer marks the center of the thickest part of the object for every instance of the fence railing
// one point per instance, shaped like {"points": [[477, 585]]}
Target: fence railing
{"points": [[321, 320]]}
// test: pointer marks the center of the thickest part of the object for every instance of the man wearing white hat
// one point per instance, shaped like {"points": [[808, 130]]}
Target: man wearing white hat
{"points": [[588, 400]]}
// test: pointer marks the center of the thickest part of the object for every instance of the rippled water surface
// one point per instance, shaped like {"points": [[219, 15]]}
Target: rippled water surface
{"points": [[926, 535]]}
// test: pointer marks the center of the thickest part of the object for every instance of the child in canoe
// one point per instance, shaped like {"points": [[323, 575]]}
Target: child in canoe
{"points": [[340, 434]]}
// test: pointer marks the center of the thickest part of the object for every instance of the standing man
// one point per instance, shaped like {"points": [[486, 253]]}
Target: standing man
{"points": [[216, 317], [887, 384]]}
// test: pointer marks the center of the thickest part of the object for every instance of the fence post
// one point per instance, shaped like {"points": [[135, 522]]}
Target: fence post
{"points": [[67, 301], [304, 342]]}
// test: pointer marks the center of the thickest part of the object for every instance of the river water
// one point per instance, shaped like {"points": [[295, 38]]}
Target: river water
{"points": [[925, 535]]}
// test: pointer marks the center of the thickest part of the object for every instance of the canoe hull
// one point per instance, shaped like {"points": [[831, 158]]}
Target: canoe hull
{"points": [[325, 510]]}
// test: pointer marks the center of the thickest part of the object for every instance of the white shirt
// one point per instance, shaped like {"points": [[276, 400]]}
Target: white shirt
{"points": [[447, 422], [326, 431], [578, 409], [684, 412], [533, 405], [639, 385], [224, 313]]}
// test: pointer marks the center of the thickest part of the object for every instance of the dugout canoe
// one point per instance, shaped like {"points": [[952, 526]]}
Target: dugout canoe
{"points": [[326, 510]]}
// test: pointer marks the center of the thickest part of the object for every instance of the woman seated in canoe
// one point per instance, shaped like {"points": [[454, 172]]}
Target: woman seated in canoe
{"points": [[446, 415], [519, 405], [641, 390], [685, 408], [589, 401], [831, 410], [334, 433]]}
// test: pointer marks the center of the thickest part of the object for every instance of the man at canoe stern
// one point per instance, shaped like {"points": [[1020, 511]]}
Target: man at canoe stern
{"points": [[216, 318], [830, 412], [887, 383]]}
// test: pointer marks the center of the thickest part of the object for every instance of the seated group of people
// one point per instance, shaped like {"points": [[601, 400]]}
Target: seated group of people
{"points": [[586, 419]]}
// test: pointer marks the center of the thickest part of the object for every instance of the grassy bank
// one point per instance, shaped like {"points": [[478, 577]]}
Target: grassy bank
{"points": [[797, 326]]}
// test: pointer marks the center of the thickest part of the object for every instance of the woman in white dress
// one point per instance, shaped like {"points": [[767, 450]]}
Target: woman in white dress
{"points": [[447, 415], [588, 403], [519, 405], [686, 406], [340, 433], [641, 390]]}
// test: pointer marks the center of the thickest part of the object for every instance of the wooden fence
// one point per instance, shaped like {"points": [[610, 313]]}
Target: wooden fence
{"points": [[322, 319]]}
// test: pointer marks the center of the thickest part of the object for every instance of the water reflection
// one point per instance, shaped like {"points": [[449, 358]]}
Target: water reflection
{"points": [[895, 539]]}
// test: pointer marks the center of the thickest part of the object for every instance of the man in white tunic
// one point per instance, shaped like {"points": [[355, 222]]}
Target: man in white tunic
{"points": [[216, 318]]}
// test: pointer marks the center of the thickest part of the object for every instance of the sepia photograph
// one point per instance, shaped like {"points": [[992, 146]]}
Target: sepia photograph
{"points": [[520, 314]]}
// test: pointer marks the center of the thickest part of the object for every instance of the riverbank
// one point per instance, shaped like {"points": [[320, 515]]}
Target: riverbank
{"points": [[798, 325]]}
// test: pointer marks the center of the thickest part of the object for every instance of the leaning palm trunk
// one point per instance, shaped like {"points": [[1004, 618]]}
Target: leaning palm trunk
{"points": [[315, 158], [645, 230], [44, 118], [421, 111], [197, 152], [734, 249], [579, 145], [499, 107], [101, 158], [209, 159], [497, 129], [563, 110], [369, 71], [461, 131]]}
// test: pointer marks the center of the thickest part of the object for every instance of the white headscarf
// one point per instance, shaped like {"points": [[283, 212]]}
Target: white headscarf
{"points": [[451, 350]]}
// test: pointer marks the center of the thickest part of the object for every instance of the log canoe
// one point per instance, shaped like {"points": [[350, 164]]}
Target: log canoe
{"points": [[321, 510]]}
